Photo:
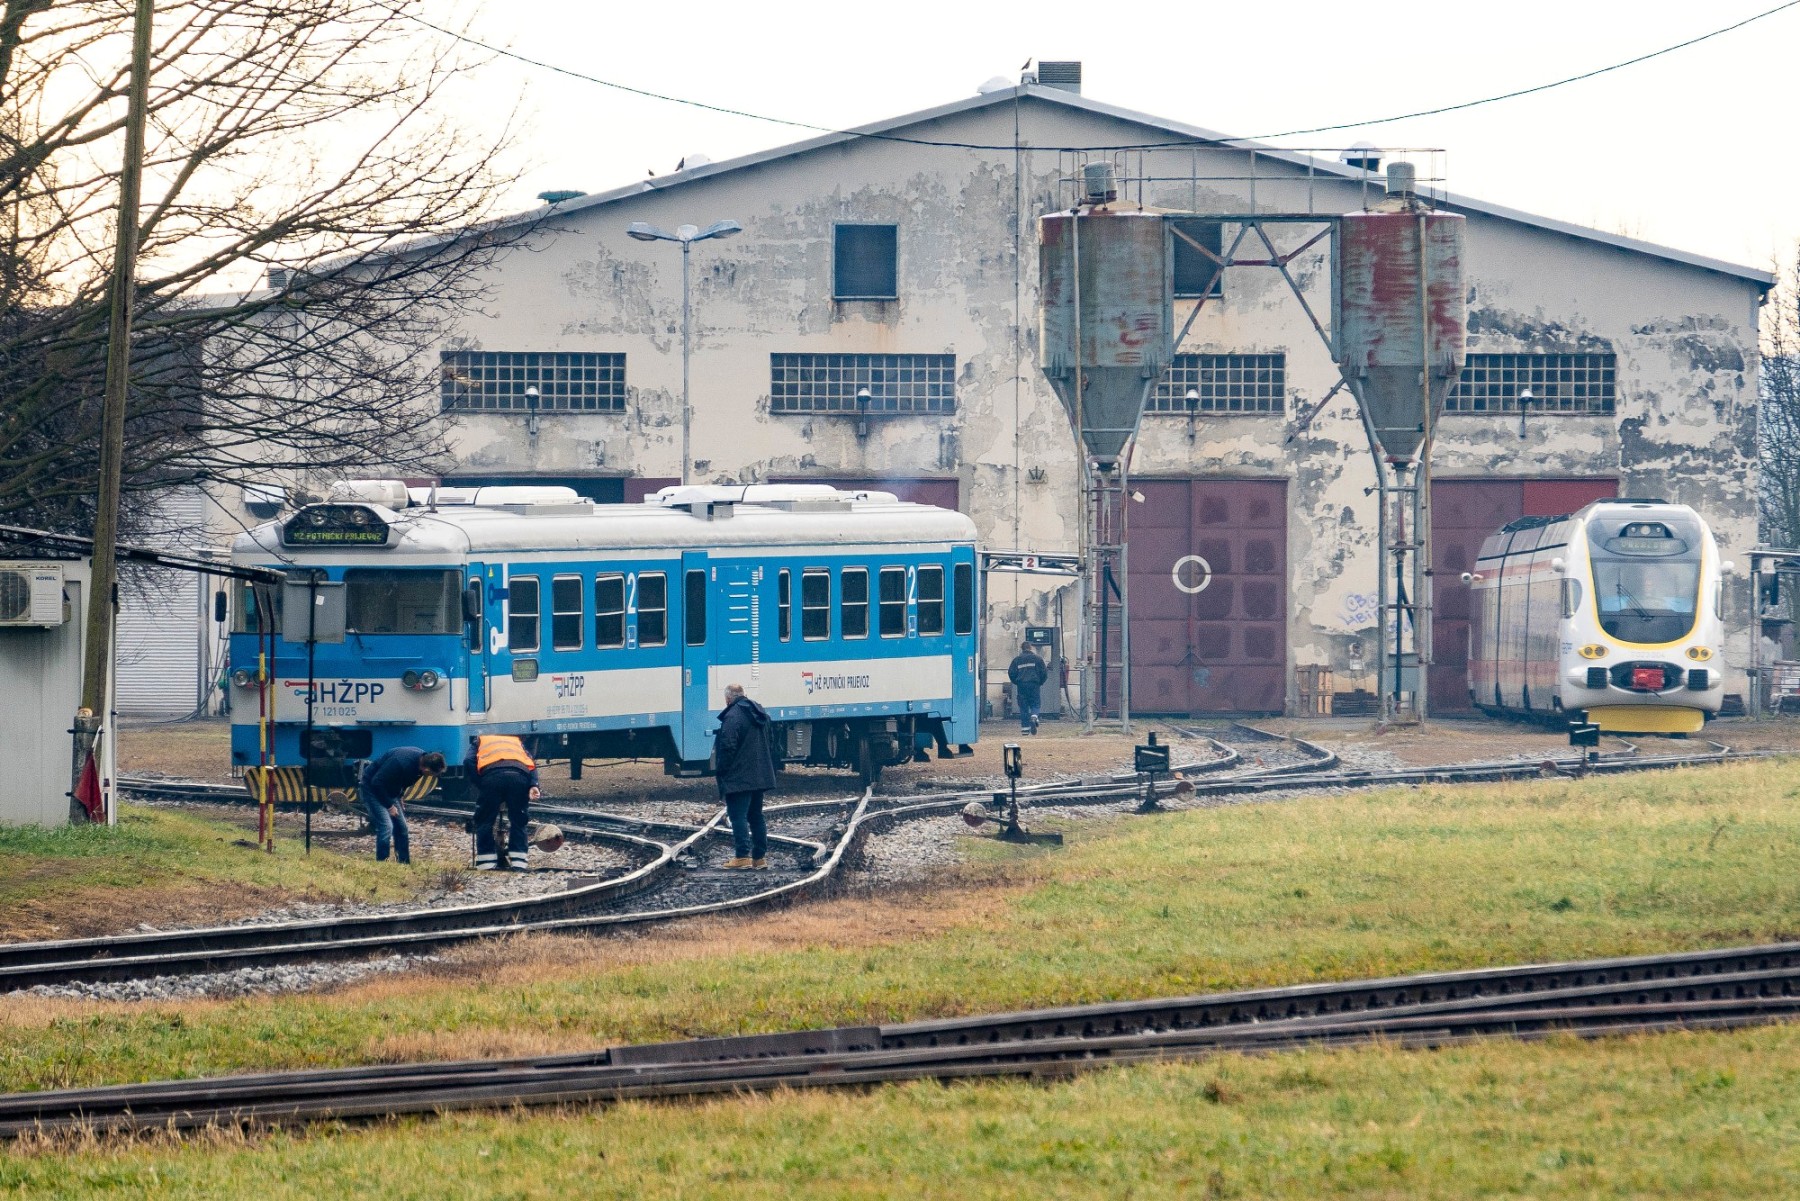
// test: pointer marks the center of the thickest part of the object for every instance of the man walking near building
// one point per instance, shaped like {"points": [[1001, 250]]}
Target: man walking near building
{"points": [[1028, 674], [383, 783], [744, 763], [502, 772]]}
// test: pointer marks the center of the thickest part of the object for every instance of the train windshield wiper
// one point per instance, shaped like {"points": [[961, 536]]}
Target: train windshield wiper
{"points": [[1625, 595]]}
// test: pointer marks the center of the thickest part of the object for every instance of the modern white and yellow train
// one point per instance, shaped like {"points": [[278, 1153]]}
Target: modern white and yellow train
{"points": [[1613, 614]]}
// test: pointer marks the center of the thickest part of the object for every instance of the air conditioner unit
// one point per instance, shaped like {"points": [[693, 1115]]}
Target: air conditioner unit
{"points": [[31, 594]]}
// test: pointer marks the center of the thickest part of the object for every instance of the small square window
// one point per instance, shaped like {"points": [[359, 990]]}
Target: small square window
{"points": [[865, 262]]}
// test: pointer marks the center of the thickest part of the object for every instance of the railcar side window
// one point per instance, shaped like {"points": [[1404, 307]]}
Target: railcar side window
{"points": [[931, 600], [653, 609], [522, 613], [965, 598], [1571, 596], [696, 608], [609, 610], [565, 612], [784, 606], [815, 604], [893, 602], [853, 620], [403, 601]]}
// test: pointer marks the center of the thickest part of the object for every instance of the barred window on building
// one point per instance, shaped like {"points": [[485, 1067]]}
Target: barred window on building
{"points": [[829, 383], [1558, 383], [566, 381], [1225, 383]]}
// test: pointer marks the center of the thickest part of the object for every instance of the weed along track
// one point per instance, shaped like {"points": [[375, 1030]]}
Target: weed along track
{"points": [[1694, 990], [674, 868]]}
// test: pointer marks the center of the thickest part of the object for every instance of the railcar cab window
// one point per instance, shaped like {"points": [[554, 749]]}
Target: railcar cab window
{"points": [[609, 610], [893, 602], [965, 598], [653, 609], [931, 600], [784, 606], [854, 609], [522, 613], [403, 601], [815, 604], [1646, 577], [247, 605], [565, 612]]}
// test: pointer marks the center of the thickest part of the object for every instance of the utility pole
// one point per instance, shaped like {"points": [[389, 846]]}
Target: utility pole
{"points": [[101, 600]]}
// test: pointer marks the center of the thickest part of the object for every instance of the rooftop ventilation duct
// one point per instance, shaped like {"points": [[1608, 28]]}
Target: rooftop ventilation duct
{"points": [[1098, 184], [1064, 77]]}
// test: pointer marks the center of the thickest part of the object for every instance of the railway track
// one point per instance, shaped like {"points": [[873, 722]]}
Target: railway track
{"points": [[810, 841], [1687, 990]]}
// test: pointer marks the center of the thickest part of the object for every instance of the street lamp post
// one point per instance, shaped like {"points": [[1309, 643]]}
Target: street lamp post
{"points": [[687, 235]]}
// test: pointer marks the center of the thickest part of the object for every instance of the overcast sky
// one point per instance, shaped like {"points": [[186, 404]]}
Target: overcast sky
{"points": [[1693, 149]]}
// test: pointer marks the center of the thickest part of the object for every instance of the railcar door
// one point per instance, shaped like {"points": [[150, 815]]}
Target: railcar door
{"points": [[475, 626], [697, 699]]}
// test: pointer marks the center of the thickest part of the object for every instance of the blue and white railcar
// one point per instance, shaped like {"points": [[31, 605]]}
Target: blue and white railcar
{"points": [[1613, 614], [610, 631]]}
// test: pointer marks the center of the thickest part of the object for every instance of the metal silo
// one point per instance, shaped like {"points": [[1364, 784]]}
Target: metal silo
{"points": [[1402, 312], [1105, 316]]}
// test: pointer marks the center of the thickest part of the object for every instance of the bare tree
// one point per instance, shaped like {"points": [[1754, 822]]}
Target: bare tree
{"points": [[304, 142], [1778, 428]]}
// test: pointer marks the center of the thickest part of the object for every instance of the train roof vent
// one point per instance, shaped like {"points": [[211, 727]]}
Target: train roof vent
{"points": [[389, 494], [511, 497], [793, 498]]}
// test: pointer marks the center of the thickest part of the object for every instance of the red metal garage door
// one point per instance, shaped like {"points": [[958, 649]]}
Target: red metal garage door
{"points": [[1208, 595], [942, 493], [1463, 514]]}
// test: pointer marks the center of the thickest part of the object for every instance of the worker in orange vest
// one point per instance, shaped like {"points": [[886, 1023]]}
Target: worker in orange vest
{"points": [[502, 772]]}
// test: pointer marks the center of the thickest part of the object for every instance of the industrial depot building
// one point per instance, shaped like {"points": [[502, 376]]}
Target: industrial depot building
{"points": [[901, 259]]}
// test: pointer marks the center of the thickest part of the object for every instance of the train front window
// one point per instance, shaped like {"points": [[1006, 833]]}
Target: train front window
{"points": [[255, 608], [382, 600], [1646, 577]]}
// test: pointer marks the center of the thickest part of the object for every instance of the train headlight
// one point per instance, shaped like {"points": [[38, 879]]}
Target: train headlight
{"points": [[243, 677], [410, 679], [429, 679], [1592, 650], [1699, 654]]}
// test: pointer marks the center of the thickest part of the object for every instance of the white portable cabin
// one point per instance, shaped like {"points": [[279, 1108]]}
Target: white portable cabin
{"points": [[42, 627]]}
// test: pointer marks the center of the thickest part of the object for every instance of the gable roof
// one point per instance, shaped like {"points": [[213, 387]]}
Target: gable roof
{"points": [[892, 127]]}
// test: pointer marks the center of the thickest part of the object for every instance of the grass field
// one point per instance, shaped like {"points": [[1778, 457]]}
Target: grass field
{"points": [[159, 865], [1372, 884]]}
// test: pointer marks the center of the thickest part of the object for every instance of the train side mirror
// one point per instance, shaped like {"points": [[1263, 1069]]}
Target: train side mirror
{"points": [[472, 601], [219, 610]]}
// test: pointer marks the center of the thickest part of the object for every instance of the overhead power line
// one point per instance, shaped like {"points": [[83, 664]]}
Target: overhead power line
{"points": [[570, 73]]}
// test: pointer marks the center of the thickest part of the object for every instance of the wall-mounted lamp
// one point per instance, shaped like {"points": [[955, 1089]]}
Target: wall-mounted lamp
{"points": [[862, 412], [531, 410], [1192, 401], [1525, 399]]}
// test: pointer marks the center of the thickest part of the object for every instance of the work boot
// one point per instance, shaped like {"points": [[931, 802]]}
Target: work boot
{"points": [[739, 864], [761, 865]]}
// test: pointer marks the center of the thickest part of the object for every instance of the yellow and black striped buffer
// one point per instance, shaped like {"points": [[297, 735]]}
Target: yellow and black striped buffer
{"points": [[287, 786]]}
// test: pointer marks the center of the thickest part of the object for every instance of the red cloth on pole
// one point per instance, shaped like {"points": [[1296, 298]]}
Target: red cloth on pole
{"points": [[87, 791]]}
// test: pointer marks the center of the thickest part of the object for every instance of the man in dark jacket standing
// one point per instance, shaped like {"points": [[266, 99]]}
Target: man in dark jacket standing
{"points": [[744, 759], [503, 773], [384, 781], [1028, 674]]}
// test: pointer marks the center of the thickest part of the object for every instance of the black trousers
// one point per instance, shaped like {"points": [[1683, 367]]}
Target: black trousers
{"points": [[502, 786]]}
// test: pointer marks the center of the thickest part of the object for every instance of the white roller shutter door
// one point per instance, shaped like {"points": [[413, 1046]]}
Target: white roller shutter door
{"points": [[162, 622]]}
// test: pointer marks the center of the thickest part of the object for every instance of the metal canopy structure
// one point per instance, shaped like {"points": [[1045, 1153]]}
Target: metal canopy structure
{"points": [[1395, 330]]}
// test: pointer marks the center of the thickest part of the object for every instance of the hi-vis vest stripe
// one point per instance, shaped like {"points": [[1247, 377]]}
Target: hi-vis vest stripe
{"points": [[494, 749]]}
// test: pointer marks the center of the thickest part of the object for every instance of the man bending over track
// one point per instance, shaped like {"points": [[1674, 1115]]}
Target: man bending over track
{"points": [[384, 782], [744, 762], [503, 773]]}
